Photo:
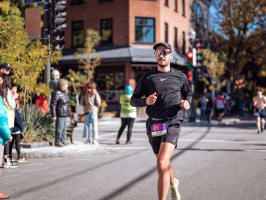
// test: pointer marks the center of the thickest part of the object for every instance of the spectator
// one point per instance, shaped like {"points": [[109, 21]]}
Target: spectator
{"points": [[209, 109], [41, 104], [5, 135], [203, 107], [219, 104], [91, 101], [55, 78], [60, 111], [10, 105], [16, 134], [128, 114]]}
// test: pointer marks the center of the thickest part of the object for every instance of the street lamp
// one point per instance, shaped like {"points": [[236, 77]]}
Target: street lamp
{"points": [[192, 37]]}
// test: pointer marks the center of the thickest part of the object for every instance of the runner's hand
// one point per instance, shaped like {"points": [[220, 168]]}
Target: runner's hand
{"points": [[54, 118], [185, 105], [150, 100]]}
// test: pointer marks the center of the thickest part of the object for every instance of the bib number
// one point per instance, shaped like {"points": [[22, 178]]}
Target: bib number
{"points": [[159, 129]]}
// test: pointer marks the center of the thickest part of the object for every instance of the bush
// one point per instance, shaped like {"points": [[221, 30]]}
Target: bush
{"points": [[38, 127]]}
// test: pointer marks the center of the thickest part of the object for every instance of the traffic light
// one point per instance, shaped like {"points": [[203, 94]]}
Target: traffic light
{"points": [[199, 47], [189, 76], [189, 55], [59, 23], [190, 67]]}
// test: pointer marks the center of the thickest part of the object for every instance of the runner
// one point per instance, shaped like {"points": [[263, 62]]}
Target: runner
{"points": [[259, 103], [165, 91]]}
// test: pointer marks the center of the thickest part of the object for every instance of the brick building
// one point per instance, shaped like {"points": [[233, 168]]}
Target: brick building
{"points": [[129, 29]]}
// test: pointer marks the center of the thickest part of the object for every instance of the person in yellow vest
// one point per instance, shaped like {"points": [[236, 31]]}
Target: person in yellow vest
{"points": [[128, 114]]}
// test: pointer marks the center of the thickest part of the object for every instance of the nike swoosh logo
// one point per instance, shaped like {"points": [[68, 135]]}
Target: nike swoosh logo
{"points": [[163, 79]]}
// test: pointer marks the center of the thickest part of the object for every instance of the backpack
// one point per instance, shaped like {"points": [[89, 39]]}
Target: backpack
{"points": [[219, 104]]}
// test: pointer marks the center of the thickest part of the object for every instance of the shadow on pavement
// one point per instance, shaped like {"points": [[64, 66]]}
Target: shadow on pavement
{"points": [[67, 177], [149, 172]]}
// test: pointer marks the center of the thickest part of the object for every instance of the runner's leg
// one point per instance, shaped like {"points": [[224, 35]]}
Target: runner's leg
{"points": [[258, 124], [262, 123], [171, 174], [163, 165]]}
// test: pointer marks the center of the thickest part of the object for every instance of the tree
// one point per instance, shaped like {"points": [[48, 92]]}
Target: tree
{"points": [[28, 58], [241, 37], [88, 63], [216, 69]]}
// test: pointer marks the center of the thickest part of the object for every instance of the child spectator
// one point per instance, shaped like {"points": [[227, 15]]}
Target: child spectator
{"points": [[16, 134]]}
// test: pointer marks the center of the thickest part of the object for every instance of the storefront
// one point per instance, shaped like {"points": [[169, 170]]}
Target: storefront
{"points": [[119, 67]]}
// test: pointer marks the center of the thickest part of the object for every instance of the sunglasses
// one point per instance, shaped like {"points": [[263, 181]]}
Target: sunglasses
{"points": [[162, 53]]}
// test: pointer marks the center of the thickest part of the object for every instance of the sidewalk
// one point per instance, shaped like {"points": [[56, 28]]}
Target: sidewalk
{"points": [[80, 148]]}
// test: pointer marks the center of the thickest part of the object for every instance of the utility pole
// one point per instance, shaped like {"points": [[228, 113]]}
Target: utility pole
{"points": [[192, 37], [47, 72]]}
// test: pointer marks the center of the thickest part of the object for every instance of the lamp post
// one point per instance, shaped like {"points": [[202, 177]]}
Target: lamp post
{"points": [[47, 72], [192, 37]]}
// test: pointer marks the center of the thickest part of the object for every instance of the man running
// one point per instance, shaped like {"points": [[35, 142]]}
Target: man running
{"points": [[259, 103], [165, 91]]}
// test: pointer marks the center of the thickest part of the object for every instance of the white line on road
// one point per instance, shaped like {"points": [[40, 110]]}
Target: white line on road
{"points": [[126, 148], [108, 134], [105, 137]]}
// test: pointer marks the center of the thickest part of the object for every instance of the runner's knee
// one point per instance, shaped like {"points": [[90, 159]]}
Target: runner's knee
{"points": [[162, 165]]}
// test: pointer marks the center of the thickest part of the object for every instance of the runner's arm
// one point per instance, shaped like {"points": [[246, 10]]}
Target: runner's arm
{"points": [[137, 99], [186, 90]]}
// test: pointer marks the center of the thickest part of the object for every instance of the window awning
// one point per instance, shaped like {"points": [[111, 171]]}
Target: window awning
{"points": [[133, 54]]}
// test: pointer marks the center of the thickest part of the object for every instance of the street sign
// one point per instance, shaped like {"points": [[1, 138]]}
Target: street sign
{"points": [[32, 1]]}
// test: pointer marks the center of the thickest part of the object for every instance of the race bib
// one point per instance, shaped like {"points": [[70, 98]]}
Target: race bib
{"points": [[159, 129]]}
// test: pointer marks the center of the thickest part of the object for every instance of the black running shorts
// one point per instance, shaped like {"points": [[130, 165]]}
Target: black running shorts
{"points": [[171, 136]]}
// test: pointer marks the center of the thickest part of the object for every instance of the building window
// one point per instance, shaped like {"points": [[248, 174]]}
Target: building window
{"points": [[183, 8], [106, 31], [176, 39], [176, 5], [166, 3], [77, 34], [197, 11], [166, 32], [144, 30], [184, 43], [77, 2]]}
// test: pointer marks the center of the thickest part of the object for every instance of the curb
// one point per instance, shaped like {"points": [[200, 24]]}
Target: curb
{"points": [[78, 148]]}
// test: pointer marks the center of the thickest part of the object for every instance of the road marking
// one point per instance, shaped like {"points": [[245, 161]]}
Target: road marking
{"points": [[255, 150], [126, 148], [105, 137], [108, 134]]}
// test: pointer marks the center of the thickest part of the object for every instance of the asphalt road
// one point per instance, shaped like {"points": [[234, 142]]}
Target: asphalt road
{"points": [[212, 163]]}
